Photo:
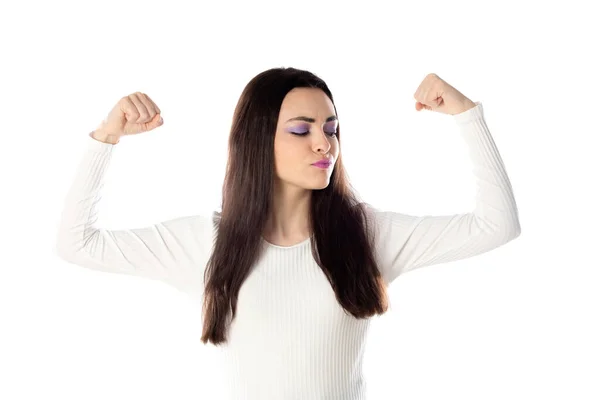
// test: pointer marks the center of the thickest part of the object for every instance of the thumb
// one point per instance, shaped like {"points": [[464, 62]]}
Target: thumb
{"points": [[420, 106]]}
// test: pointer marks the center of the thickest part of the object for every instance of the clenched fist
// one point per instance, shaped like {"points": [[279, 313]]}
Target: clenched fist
{"points": [[135, 113], [435, 94]]}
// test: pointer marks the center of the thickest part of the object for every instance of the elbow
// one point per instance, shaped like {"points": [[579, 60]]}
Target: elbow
{"points": [[501, 233], [61, 250], [514, 228], [64, 247], [510, 231], [69, 246], [517, 231]]}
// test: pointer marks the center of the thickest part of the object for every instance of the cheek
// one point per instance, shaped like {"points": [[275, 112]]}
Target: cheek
{"points": [[287, 158], [335, 148], [335, 145]]}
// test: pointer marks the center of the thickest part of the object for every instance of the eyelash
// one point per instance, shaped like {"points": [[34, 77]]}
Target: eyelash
{"points": [[307, 132]]}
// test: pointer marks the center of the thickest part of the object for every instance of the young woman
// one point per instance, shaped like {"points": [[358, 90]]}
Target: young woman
{"points": [[293, 266]]}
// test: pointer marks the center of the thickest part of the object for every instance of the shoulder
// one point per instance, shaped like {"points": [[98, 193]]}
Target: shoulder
{"points": [[198, 227]]}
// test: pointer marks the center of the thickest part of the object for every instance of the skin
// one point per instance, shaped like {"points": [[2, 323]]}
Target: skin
{"points": [[296, 178]]}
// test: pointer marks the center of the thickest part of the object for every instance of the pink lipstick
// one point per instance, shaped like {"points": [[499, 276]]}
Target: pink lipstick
{"points": [[322, 164]]}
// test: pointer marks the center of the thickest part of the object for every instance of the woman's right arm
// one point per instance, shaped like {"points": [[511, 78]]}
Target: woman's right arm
{"points": [[173, 251]]}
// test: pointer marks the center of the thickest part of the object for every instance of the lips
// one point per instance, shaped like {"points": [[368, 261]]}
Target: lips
{"points": [[323, 163]]}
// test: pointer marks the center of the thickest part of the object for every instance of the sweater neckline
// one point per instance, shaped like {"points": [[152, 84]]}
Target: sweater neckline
{"points": [[299, 244]]}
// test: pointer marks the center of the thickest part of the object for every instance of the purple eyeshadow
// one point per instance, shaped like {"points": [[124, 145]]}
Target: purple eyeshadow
{"points": [[303, 128], [298, 129]]}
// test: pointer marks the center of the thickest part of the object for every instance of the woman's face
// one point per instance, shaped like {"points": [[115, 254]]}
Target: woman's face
{"points": [[301, 142]]}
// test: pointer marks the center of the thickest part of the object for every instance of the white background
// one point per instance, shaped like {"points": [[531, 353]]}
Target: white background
{"points": [[520, 322]]}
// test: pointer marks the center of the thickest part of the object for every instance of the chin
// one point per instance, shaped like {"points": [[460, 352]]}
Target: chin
{"points": [[316, 183], [320, 185]]}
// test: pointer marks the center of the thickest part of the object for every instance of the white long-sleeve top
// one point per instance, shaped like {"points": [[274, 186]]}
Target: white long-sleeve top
{"points": [[290, 338]]}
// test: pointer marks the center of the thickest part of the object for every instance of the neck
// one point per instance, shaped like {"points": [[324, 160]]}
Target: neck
{"points": [[288, 221]]}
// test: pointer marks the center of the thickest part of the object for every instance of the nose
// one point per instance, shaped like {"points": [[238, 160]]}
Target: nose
{"points": [[321, 144]]}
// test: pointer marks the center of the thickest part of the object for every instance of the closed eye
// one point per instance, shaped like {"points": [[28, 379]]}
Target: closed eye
{"points": [[307, 132]]}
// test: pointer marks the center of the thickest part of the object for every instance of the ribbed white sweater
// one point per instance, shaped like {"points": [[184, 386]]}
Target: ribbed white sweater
{"points": [[290, 338]]}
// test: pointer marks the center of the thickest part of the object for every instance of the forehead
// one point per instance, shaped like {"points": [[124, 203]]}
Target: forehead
{"points": [[309, 102]]}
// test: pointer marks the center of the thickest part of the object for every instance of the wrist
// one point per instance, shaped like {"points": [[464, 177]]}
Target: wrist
{"points": [[467, 105], [105, 137]]}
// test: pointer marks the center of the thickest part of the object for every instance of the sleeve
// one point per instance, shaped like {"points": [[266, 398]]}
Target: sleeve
{"points": [[173, 251], [406, 242]]}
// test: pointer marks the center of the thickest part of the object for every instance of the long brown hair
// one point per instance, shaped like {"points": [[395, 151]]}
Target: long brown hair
{"points": [[341, 240]]}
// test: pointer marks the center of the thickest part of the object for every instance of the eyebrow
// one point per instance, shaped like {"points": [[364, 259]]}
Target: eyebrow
{"points": [[311, 120]]}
